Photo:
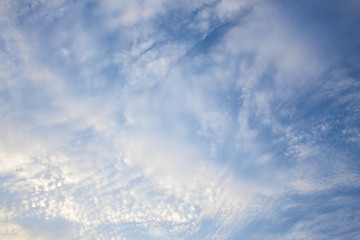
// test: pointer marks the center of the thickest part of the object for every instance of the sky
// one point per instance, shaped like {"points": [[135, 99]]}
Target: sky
{"points": [[154, 119]]}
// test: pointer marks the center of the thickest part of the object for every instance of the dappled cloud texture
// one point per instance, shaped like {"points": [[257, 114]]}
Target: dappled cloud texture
{"points": [[161, 119]]}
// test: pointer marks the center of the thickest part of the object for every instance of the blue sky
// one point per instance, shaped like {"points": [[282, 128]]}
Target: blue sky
{"points": [[159, 119]]}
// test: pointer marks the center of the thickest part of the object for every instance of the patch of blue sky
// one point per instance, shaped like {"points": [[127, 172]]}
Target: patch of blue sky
{"points": [[51, 227], [296, 210]]}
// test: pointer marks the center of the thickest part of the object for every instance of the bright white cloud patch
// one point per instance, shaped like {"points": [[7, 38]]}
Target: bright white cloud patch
{"points": [[193, 120]]}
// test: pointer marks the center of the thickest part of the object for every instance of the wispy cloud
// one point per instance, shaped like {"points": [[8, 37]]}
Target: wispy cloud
{"points": [[158, 120]]}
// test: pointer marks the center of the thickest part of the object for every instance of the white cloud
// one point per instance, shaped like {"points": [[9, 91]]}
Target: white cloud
{"points": [[130, 13], [157, 149]]}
